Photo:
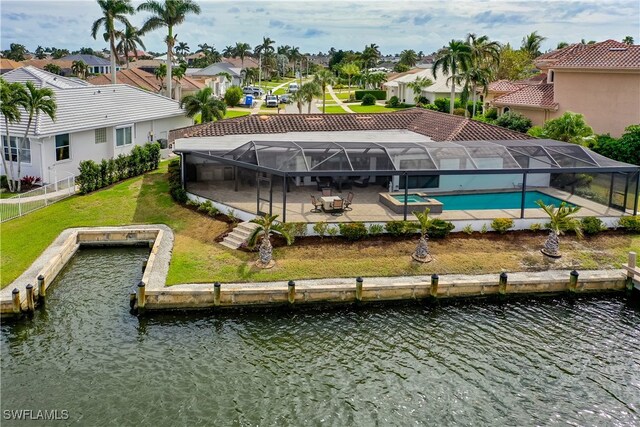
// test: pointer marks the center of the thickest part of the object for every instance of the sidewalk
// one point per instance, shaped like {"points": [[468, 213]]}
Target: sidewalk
{"points": [[338, 101]]}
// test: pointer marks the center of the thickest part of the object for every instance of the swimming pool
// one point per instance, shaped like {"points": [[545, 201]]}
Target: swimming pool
{"points": [[510, 200], [411, 198]]}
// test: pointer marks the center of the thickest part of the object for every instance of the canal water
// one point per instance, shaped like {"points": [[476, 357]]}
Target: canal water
{"points": [[534, 362]]}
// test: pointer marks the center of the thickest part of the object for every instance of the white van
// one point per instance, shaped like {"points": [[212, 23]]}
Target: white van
{"points": [[293, 87]]}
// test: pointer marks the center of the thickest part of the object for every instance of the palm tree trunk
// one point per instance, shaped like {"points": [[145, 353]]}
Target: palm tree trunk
{"points": [[473, 114], [349, 86], [169, 64], [552, 245], [421, 253], [266, 250], [19, 148], [453, 87], [309, 106], [113, 59], [4, 160], [324, 99]]}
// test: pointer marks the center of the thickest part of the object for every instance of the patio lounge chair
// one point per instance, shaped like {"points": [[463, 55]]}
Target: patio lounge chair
{"points": [[317, 204], [337, 208], [363, 181], [347, 202], [327, 191]]}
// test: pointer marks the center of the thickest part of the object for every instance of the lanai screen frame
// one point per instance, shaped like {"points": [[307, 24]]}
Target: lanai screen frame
{"points": [[544, 145]]}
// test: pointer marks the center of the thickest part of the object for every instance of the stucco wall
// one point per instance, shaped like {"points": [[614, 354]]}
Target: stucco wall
{"points": [[609, 101], [538, 117]]}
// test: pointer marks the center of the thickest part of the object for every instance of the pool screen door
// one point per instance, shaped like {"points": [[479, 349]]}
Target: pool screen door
{"points": [[265, 195]]}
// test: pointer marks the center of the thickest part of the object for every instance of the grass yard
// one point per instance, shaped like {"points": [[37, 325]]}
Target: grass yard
{"points": [[197, 258], [334, 109], [372, 108], [229, 115]]}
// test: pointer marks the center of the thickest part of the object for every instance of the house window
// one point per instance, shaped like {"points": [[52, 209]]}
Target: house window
{"points": [[62, 147], [550, 76], [101, 135], [506, 110], [12, 153], [123, 136]]}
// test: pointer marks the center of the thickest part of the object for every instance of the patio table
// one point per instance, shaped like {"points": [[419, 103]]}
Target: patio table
{"points": [[327, 202]]}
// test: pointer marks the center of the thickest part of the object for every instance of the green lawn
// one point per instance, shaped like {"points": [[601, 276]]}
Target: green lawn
{"points": [[335, 109], [229, 115], [372, 108]]}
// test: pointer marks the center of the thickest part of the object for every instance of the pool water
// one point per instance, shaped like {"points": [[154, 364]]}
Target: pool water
{"points": [[509, 200], [411, 198]]}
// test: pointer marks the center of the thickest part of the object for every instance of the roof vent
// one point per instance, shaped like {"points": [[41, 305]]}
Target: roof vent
{"points": [[617, 49], [263, 117]]}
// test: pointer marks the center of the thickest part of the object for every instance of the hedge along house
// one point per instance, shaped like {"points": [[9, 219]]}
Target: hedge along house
{"points": [[92, 123], [395, 163]]}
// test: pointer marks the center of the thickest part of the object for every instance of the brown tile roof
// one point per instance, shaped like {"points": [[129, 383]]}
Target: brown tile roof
{"points": [[437, 126], [540, 96], [8, 64], [139, 78], [146, 63], [533, 80], [40, 63], [503, 86], [558, 54], [237, 62], [607, 54]]}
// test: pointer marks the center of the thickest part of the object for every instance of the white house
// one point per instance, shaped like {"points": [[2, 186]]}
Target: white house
{"points": [[217, 76], [92, 123], [398, 86]]}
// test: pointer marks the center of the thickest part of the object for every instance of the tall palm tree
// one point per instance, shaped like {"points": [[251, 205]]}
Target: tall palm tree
{"points": [[228, 51], [168, 14], [453, 60], [628, 40], [324, 78], [112, 11], [531, 44], [41, 55], [242, 50], [559, 221], [370, 55], [308, 92], [36, 101], [160, 73], [265, 226], [12, 99], [182, 49], [408, 58], [421, 254], [476, 78], [266, 47], [80, 68], [129, 42], [350, 69], [202, 102], [417, 85]]}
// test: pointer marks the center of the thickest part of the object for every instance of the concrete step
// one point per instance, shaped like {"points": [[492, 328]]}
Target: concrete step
{"points": [[242, 232], [248, 226], [229, 245], [234, 239], [239, 235]]}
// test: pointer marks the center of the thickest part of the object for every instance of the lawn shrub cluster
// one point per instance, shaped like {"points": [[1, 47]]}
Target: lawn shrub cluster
{"points": [[353, 230], [514, 121], [592, 225], [368, 99], [175, 182], [295, 229], [94, 176], [502, 225], [440, 228], [393, 102], [630, 223], [377, 94]]}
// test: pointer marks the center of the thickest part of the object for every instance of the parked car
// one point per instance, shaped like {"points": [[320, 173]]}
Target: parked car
{"points": [[271, 101], [252, 90], [285, 99], [293, 87]]}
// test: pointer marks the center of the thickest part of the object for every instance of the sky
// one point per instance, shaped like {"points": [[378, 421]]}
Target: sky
{"points": [[318, 25]]}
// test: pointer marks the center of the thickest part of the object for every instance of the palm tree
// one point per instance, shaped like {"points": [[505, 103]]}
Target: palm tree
{"points": [[265, 226], [628, 40], [421, 254], [350, 69], [266, 47], [559, 222], [180, 70], [168, 14], [308, 92], [370, 55], [53, 68], [129, 42], [408, 58], [298, 98], [36, 101], [453, 60], [41, 55], [560, 45], [417, 85], [531, 44], [203, 103], [228, 51], [250, 75], [182, 49], [112, 10], [476, 78], [324, 78], [242, 50], [80, 68], [160, 73], [12, 98]]}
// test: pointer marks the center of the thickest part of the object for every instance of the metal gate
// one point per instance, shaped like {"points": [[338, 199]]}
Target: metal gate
{"points": [[264, 195], [618, 191]]}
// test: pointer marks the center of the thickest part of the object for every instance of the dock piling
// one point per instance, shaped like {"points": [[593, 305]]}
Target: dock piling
{"points": [[15, 299], [31, 304], [292, 291], [573, 281], [42, 289], [359, 289], [502, 284], [631, 266], [216, 294], [434, 285], [141, 296]]}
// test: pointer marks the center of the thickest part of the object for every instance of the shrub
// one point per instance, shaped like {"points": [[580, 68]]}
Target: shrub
{"points": [[443, 104], [377, 94], [398, 228], [502, 225], [440, 228], [295, 229], [89, 177], [179, 194], [4, 183], [231, 214], [491, 113], [232, 96], [175, 184], [484, 229], [320, 228], [353, 230], [430, 107], [401, 68], [422, 100], [467, 229], [368, 99], [28, 181], [332, 231], [624, 149], [121, 167], [393, 102], [514, 121], [535, 226], [459, 111], [592, 225], [630, 223], [376, 229]]}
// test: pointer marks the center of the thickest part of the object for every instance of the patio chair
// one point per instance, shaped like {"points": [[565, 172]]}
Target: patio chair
{"points": [[316, 204], [347, 202], [363, 181], [327, 191], [337, 207]]}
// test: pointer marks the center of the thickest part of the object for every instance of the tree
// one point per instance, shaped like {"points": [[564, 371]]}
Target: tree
{"points": [[417, 85], [180, 70], [250, 75], [307, 93], [232, 96], [628, 40], [112, 11], [203, 102], [228, 51], [624, 149], [169, 14], [324, 78], [350, 69], [80, 68], [560, 221], [182, 49], [514, 64], [59, 53], [514, 121], [39, 52], [12, 99], [242, 50], [265, 226], [562, 45], [421, 254], [160, 73], [35, 101], [401, 68], [531, 44], [370, 55], [266, 47], [16, 52], [570, 127], [453, 60], [53, 68], [129, 42], [408, 58]]}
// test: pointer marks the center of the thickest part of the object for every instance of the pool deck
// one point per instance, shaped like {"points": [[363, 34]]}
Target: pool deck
{"points": [[367, 207]]}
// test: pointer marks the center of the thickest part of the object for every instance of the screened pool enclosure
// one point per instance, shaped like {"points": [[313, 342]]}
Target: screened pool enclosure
{"points": [[270, 172]]}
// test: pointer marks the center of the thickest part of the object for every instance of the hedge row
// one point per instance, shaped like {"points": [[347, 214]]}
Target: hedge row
{"points": [[357, 230], [94, 176], [380, 95]]}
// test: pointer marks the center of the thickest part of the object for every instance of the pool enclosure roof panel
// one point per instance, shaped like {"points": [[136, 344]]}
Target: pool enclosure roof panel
{"points": [[327, 156]]}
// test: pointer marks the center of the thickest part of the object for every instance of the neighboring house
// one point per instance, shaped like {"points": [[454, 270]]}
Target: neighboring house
{"points": [[600, 81], [397, 85], [139, 78], [7, 65], [217, 76], [92, 123], [65, 66], [148, 65], [96, 64]]}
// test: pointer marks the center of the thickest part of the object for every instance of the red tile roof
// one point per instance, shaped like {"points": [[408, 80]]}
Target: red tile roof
{"points": [[607, 54], [437, 126], [503, 86], [558, 54], [540, 96], [137, 77]]}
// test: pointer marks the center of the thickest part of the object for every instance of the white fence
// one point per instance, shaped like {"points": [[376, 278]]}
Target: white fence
{"points": [[22, 204]]}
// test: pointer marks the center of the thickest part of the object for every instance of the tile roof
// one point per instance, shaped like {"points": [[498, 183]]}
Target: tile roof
{"points": [[237, 62], [40, 63], [90, 60], [540, 96], [146, 63], [139, 78], [503, 86], [42, 78], [437, 126], [8, 64], [607, 54], [558, 54]]}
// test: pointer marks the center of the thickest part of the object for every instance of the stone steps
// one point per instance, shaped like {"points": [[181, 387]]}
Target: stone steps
{"points": [[239, 235]]}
